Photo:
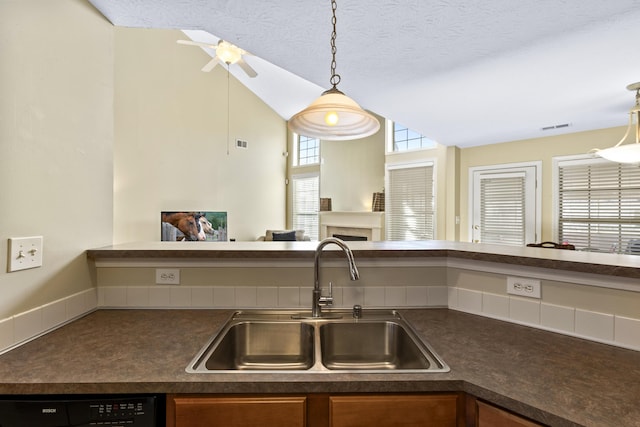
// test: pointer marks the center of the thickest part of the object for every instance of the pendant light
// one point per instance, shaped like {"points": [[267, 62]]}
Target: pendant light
{"points": [[334, 116], [629, 153]]}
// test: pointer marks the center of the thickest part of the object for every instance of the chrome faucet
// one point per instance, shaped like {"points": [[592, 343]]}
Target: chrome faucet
{"points": [[318, 299]]}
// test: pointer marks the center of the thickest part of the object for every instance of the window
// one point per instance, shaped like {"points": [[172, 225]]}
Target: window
{"points": [[306, 204], [504, 204], [405, 139], [308, 151], [410, 203], [598, 205]]}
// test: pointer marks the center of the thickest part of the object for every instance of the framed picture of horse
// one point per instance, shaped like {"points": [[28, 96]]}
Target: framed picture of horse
{"points": [[190, 226]]}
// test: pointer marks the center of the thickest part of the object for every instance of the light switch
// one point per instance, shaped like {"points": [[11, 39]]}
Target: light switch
{"points": [[24, 252]]}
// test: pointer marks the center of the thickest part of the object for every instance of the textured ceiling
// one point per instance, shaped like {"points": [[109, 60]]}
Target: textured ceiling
{"points": [[463, 73]]}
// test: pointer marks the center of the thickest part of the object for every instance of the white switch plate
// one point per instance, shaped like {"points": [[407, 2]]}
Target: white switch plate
{"points": [[167, 276], [24, 252], [524, 287]]}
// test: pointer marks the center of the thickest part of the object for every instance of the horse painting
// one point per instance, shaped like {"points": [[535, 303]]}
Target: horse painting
{"points": [[187, 222]]}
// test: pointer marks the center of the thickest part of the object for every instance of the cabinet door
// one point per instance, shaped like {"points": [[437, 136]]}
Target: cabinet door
{"points": [[491, 416], [196, 411], [393, 410]]}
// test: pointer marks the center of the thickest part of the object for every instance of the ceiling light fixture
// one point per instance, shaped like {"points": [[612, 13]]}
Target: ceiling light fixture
{"points": [[334, 116], [629, 153]]}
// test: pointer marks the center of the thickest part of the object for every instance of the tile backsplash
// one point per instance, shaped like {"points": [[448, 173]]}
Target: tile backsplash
{"points": [[595, 326]]}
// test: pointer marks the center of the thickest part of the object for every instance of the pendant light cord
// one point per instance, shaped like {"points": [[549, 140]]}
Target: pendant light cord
{"points": [[335, 78]]}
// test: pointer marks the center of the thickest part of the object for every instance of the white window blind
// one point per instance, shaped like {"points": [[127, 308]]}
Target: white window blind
{"points": [[306, 204], [599, 205], [410, 210], [503, 208]]}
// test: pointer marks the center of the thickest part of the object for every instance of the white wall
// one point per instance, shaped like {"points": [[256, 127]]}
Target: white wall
{"points": [[56, 133], [171, 141]]}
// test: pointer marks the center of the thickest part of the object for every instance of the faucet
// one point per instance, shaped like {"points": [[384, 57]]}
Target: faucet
{"points": [[318, 299]]}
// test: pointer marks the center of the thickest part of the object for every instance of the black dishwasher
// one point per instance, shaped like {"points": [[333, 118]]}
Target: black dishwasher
{"points": [[82, 411]]}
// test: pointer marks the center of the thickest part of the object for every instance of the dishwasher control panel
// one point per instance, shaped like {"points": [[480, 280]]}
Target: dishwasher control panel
{"points": [[50, 411]]}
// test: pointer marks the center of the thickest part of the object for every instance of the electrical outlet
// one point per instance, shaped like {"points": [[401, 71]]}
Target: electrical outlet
{"points": [[24, 252], [524, 287], [167, 276]]}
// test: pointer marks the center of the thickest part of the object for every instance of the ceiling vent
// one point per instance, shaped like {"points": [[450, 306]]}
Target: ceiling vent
{"points": [[560, 126]]}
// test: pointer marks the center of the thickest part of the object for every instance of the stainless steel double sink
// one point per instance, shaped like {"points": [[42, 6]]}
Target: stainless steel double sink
{"points": [[288, 341]]}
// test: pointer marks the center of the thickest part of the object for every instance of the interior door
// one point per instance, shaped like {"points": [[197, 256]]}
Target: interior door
{"points": [[505, 207]]}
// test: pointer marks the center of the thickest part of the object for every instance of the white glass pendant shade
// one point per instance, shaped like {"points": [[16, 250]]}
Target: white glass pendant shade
{"points": [[335, 117], [626, 153]]}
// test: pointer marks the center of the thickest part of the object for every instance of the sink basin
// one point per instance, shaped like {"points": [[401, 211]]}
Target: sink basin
{"points": [[257, 345], [378, 345], [283, 341]]}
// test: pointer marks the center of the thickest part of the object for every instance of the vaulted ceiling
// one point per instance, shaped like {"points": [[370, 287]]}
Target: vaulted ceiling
{"points": [[462, 72]]}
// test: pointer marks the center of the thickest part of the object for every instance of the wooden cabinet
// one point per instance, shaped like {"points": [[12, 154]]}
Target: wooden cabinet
{"points": [[213, 411], [492, 416], [394, 410]]}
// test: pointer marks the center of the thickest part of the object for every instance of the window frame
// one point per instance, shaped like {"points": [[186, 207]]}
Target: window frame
{"points": [[294, 213], [390, 140], [431, 162], [584, 159], [296, 151]]}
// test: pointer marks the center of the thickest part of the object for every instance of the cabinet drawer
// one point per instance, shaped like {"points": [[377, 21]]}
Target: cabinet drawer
{"points": [[237, 411], [393, 410]]}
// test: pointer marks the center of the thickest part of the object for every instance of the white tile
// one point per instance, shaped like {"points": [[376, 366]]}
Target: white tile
{"points": [[54, 313], [524, 310], [395, 296], [352, 295], [416, 296], [27, 325], [137, 296], [6, 333], [374, 296], [557, 317], [452, 297], [115, 296], [180, 296], [627, 331], [288, 297], [202, 296], [224, 296], [469, 301], [159, 296], [437, 296], [595, 325], [495, 305], [246, 296], [267, 297]]}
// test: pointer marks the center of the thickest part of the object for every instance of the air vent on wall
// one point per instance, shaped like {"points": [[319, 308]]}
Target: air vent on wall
{"points": [[560, 126], [241, 144]]}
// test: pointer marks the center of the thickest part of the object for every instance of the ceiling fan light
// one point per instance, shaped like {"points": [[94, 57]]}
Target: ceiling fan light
{"points": [[334, 117], [228, 53]]}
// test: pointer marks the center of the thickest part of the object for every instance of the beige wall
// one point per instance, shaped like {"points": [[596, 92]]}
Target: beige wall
{"points": [[351, 171], [171, 150], [56, 125], [540, 149]]}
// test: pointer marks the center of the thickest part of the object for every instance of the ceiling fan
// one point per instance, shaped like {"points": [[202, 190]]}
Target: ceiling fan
{"points": [[225, 52]]}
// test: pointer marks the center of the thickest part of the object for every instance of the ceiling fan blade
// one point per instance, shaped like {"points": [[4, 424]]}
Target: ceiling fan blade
{"points": [[210, 65], [192, 43], [247, 68]]}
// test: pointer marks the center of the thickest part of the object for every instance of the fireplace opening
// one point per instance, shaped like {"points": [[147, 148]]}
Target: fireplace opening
{"points": [[351, 238]]}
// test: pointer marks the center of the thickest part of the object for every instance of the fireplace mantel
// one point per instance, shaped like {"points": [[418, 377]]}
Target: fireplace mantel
{"points": [[365, 224]]}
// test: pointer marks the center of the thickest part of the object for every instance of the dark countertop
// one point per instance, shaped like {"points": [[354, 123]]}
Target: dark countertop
{"points": [[554, 379], [574, 261]]}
